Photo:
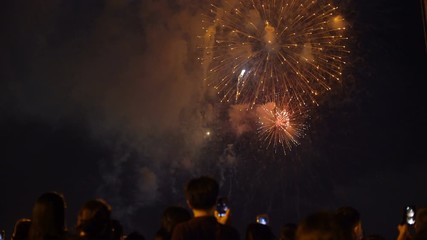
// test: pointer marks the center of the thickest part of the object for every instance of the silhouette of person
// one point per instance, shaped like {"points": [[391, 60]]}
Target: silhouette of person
{"points": [[257, 231], [201, 194], [350, 220], [21, 229], [94, 220], [48, 218], [170, 218], [322, 225]]}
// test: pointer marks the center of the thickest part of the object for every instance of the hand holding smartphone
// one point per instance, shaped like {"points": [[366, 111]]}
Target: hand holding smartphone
{"points": [[222, 206], [262, 219], [409, 215]]}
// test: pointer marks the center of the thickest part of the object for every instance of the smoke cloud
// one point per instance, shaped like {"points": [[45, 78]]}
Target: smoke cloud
{"points": [[129, 71]]}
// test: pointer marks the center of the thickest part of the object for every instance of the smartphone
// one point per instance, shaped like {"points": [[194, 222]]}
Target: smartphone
{"points": [[222, 206], [262, 219], [409, 215]]}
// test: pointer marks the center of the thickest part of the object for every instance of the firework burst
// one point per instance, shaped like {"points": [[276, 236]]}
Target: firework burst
{"points": [[257, 49], [280, 126]]}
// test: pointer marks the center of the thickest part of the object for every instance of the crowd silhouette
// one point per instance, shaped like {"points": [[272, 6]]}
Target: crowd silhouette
{"points": [[201, 220]]}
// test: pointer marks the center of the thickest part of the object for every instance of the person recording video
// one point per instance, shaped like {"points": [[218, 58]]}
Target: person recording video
{"points": [[419, 227]]}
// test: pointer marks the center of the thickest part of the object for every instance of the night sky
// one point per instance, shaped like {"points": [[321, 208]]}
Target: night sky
{"points": [[106, 99]]}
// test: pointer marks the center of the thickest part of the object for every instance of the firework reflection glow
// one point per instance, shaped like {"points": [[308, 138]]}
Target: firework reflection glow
{"points": [[280, 126], [261, 48]]}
